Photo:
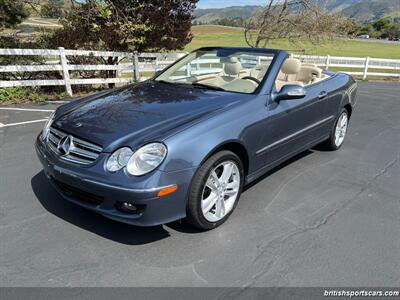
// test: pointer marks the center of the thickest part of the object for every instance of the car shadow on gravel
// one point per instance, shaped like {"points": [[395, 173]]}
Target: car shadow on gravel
{"points": [[91, 221]]}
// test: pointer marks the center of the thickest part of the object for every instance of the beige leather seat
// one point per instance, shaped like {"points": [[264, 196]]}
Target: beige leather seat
{"points": [[288, 73], [259, 71], [241, 85], [232, 67], [309, 74], [231, 71]]}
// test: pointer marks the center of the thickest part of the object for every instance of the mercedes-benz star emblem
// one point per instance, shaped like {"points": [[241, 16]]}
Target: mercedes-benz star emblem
{"points": [[65, 145]]}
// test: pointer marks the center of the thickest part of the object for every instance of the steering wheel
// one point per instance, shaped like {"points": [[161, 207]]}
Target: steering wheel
{"points": [[252, 79]]}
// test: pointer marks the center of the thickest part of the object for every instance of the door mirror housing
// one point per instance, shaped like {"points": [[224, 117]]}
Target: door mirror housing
{"points": [[290, 92]]}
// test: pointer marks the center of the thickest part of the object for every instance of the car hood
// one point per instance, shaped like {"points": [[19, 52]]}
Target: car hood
{"points": [[140, 113]]}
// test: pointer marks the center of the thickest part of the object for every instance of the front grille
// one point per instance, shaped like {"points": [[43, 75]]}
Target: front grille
{"points": [[79, 194], [79, 152]]}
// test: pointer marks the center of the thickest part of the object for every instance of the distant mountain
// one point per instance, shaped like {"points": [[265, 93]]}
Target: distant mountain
{"points": [[357, 10], [210, 15], [371, 10]]}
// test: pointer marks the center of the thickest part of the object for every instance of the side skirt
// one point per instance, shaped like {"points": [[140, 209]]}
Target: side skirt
{"points": [[265, 169]]}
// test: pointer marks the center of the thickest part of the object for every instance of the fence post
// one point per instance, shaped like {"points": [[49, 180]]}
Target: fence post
{"points": [[136, 72], [188, 70], [64, 64], [366, 68], [327, 62]]}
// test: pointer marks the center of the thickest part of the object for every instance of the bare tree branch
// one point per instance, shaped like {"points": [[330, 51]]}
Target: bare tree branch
{"points": [[293, 20]]}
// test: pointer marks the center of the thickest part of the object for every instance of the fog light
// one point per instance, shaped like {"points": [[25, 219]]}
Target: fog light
{"points": [[128, 207]]}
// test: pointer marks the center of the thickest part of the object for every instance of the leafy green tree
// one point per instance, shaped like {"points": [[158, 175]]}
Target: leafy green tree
{"points": [[366, 29], [12, 12], [132, 25], [382, 24], [52, 9], [392, 32]]}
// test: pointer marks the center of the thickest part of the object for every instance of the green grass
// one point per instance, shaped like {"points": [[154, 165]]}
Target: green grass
{"points": [[220, 36]]}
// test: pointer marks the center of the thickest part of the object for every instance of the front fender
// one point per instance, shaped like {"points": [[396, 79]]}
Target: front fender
{"points": [[189, 148]]}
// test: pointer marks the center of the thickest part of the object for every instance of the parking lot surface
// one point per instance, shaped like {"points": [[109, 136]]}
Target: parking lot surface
{"points": [[322, 219]]}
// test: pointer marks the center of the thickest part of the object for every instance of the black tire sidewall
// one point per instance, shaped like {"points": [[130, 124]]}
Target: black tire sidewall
{"points": [[194, 211]]}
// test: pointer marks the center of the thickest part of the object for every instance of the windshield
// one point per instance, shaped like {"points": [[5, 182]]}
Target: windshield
{"points": [[220, 69]]}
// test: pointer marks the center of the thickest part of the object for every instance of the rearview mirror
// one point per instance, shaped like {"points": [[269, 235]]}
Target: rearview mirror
{"points": [[290, 91]]}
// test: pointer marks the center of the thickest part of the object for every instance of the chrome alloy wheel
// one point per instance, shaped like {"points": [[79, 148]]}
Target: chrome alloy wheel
{"points": [[341, 129], [220, 191]]}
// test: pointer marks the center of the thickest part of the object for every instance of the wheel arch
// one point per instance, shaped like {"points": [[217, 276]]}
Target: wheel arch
{"points": [[236, 147], [349, 109]]}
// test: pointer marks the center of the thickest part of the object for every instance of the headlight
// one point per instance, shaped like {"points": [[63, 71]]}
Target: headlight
{"points": [[146, 159], [46, 129], [119, 159]]}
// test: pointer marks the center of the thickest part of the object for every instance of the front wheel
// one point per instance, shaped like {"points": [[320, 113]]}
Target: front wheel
{"points": [[338, 132], [215, 190]]}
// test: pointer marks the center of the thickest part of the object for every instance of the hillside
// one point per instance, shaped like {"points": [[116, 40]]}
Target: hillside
{"points": [[223, 36], [357, 10], [213, 14], [371, 10]]}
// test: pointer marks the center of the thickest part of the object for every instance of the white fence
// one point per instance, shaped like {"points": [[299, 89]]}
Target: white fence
{"points": [[134, 67], [57, 60], [362, 63]]}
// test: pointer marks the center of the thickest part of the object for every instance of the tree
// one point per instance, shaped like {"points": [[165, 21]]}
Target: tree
{"points": [[392, 32], [125, 25], [131, 25], [52, 9], [12, 12], [293, 20], [382, 24]]}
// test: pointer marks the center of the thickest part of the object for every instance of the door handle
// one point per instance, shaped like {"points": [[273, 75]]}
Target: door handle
{"points": [[322, 95]]}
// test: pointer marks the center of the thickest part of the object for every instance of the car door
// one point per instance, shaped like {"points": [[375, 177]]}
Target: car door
{"points": [[292, 124]]}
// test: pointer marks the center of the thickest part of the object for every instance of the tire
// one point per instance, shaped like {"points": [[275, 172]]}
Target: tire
{"points": [[333, 143], [205, 186]]}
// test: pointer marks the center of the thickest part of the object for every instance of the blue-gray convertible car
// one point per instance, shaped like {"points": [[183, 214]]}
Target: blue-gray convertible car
{"points": [[183, 144]]}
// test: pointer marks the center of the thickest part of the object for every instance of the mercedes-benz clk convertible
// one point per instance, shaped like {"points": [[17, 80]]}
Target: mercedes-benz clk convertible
{"points": [[183, 144]]}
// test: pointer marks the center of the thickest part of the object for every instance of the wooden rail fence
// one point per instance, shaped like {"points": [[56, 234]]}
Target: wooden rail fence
{"points": [[137, 66]]}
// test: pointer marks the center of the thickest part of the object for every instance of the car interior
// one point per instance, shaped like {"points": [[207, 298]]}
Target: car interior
{"points": [[236, 78], [293, 71], [243, 73]]}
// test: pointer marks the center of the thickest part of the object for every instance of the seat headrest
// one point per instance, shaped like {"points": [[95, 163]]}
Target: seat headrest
{"points": [[311, 71], [232, 66], [228, 59], [291, 66]]}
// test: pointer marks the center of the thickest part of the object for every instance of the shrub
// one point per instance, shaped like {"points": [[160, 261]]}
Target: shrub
{"points": [[24, 94]]}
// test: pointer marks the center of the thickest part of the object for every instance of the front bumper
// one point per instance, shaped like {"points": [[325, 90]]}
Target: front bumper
{"points": [[96, 189]]}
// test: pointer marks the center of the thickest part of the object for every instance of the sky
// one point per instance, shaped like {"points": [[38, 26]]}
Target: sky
{"points": [[226, 3]]}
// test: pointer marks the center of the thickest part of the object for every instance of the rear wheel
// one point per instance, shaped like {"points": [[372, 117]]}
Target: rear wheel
{"points": [[338, 132], [215, 190]]}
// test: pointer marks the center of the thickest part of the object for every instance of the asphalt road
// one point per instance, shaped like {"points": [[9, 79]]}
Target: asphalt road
{"points": [[323, 219]]}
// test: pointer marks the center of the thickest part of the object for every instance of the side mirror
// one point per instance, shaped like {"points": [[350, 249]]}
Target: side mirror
{"points": [[289, 92]]}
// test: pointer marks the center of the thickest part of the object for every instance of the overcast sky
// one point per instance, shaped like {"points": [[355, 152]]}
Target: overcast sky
{"points": [[225, 3]]}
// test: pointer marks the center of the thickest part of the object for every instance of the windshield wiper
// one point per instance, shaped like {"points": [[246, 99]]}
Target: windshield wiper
{"points": [[164, 81], [171, 82], [206, 86]]}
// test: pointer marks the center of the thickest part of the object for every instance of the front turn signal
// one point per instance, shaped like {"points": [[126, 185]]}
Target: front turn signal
{"points": [[167, 191]]}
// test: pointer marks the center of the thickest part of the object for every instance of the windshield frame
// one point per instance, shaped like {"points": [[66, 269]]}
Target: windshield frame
{"points": [[232, 50]]}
